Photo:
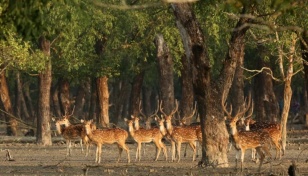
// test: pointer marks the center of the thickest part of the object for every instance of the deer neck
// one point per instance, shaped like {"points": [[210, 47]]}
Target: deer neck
{"points": [[131, 130], [162, 129], [247, 128], [169, 127], [59, 129], [137, 127], [234, 130]]}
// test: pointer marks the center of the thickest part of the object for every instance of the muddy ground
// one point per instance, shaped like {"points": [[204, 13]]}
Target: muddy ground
{"points": [[31, 159]]}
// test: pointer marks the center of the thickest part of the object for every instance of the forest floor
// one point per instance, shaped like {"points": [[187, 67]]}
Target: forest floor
{"points": [[32, 159]]}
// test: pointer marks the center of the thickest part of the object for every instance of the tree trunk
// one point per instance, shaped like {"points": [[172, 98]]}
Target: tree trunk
{"points": [[120, 100], [136, 93], [304, 48], [22, 107], [11, 123], [208, 94], [165, 64], [55, 101], [187, 95], [29, 102], [237, 88], [64, 95], [103, 97], [45, 78], [80, 100], [93, 109], [287, 95], [266, 106]]}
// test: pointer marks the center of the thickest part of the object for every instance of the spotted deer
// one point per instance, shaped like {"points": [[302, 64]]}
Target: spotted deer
{"points": [[146, 136], [181, 134], [272, 128], [69, 133], [247, 139], [107, 136]]}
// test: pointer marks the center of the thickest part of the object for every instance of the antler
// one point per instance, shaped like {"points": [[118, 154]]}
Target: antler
{"points": [[173, 111], [68, 116], [140, 111], [191, 115], [223, 105]]}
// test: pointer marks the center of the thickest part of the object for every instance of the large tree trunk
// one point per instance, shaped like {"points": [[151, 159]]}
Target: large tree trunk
{"points": [[208, 94], [11, 123], [165, 64], [237, 88], [103, 97], [304, 48], [266, 106], [187, 95], [136, 93], [45, 78]]}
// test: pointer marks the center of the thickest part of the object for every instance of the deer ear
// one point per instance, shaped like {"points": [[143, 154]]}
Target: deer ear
{"points": [[81, 120], [125, 119], [53, 119]]}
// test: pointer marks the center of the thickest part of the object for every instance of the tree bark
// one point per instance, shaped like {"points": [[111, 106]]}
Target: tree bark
{"points": [[80, 100], [136, 94], [55, 101], [287, 95], [304, 49], [29, 102], [266, 105], [165, 64], [120, 100], [187, 94], [208, 93], [64, 95], [45, 78], [93, 109], [11, 123], [22, 107], [103, 97]]}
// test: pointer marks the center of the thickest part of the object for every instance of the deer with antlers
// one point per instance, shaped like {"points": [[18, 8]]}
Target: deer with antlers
{"points": [[181, 134], [247, 139], [69, 132], [107, 136], [146, 136]]}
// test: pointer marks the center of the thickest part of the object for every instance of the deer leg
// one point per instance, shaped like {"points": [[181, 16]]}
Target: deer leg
{"points": [[242, 158], [162, 145], [158, 149], [261, 154], [81, 145], [179, 150], [193, 147], [185, 150], [98, 153], [120, 152], [68, 147], [172, 151], [236, 159], [139, 151]]}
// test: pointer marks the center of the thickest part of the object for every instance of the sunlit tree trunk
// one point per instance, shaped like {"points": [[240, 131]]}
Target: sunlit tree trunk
{"points": [[287, 93], [103, 97], [11, 123], [45, 78], [165, 67]]}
